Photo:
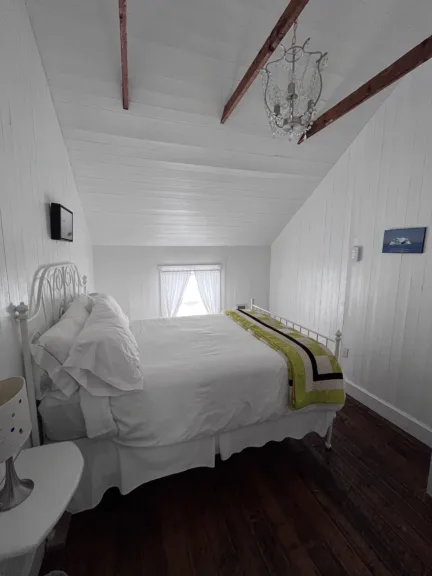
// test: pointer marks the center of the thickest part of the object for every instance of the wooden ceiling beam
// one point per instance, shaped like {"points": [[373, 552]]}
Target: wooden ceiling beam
{"points": [[285, 22], [406, 64], [124, 53]]}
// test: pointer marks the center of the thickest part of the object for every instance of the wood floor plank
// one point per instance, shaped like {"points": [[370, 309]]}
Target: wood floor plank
{"points": [[336, 509], [197, 538], [240, 530], [319, 551], [295, 548], [414, 518], [140, 545], [224, 553], [324, 526], [383, 505], [386, 542], [371, 457], [381, 435], [288, 508], [414, 449], [373, 487], [172, 510], [418, 455], [271, 551]]}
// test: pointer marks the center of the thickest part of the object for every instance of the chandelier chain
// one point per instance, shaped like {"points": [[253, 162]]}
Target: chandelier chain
{"points": [[294, 39]]}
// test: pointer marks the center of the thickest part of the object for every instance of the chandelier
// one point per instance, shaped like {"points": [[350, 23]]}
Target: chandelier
{"points": [[292, 88]]}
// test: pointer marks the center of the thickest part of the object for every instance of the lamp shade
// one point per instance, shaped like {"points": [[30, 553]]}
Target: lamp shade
{"points": [[15, 423]]}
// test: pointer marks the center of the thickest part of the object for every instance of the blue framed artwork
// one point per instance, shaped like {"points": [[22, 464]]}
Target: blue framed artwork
{"points": [[404, 241]]}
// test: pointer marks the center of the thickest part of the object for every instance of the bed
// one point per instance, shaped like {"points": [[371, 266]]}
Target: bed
{"points": [[211, 386]]}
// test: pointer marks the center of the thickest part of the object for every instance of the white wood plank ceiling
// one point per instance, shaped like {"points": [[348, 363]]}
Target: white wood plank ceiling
{"points": [[166, 172]]}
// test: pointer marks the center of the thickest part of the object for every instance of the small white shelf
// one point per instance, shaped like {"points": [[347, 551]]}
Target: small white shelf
{"points": [[56, 470]]}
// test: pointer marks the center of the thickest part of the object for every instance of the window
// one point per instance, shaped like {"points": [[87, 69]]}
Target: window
{"points": [[192, 304], [190, 290]]}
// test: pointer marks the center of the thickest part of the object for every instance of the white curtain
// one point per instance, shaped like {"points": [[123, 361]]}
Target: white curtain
{"points": [[173, 285], [209, 288]]}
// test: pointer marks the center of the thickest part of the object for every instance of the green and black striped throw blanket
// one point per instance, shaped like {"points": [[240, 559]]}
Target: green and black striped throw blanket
{"points": [[315, 376]]}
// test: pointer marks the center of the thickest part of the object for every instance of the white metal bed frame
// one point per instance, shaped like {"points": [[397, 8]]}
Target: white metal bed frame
{"points": [[54, 287], [326, 340]]}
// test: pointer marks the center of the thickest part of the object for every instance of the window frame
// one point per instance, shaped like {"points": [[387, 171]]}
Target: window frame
{"points": [[192, 267]]}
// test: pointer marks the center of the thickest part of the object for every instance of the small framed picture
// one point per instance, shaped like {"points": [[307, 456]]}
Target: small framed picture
{"points": [[61, 223], [404, 241]]}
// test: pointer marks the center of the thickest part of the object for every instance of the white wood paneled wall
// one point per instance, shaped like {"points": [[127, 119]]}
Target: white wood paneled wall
{"points": [[35, 170], [308, 259], [384, 180], [135, 284]]}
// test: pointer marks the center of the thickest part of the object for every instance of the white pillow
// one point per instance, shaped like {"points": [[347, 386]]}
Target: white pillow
{"points": [[112, 304], [87, 301], [76, 311], [51, 350], [104, 358]]}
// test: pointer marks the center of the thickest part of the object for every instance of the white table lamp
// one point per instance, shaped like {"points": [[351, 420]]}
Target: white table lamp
{"points": [[15, 428]]}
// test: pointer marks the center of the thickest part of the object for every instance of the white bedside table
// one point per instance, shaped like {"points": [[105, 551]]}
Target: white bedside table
{"points": [[56, 471]]}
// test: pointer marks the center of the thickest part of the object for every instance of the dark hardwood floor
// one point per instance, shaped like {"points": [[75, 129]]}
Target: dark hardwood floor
{"points": [[286, 508]]}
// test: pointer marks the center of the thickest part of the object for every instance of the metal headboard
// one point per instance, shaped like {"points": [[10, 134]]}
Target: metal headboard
{"points": [[54, 287]]}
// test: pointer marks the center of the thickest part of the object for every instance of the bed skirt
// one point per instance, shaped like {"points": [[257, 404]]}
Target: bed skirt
{"points": [[108, 464]]}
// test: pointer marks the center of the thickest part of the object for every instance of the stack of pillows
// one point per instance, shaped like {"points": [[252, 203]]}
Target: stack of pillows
{"points": [[91, 346]]}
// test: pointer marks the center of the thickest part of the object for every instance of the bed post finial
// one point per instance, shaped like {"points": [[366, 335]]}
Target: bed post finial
{"points": [[22, 310], [338, 340], [84, 283], [328, 437], [251, 303], [22, 314]]}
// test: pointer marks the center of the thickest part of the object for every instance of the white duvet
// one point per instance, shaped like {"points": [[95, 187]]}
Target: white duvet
{"points": [[202, 375]]}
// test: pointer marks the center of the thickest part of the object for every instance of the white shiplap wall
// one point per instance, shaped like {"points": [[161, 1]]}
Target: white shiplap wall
{"points": [[384, 180], [135, 284], [35, 170]]}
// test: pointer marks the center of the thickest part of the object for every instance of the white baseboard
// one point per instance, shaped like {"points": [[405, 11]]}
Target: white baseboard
{"points": [[398, 417]]}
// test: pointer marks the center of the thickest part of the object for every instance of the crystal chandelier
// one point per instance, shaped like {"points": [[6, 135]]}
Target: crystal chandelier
{"points": [[292, 87]]}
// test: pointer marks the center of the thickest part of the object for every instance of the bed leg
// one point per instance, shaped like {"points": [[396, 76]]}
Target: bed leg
{"points": [[328, 437]]}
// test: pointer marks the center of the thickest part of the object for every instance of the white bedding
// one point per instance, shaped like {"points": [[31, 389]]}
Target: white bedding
{"points": [[202, 375]]}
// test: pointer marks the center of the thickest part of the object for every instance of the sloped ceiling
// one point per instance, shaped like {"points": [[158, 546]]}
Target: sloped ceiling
{"points": [[166, 172]]}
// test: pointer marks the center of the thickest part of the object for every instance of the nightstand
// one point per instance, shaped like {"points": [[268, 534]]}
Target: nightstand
{"points": [[56, 470]]}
